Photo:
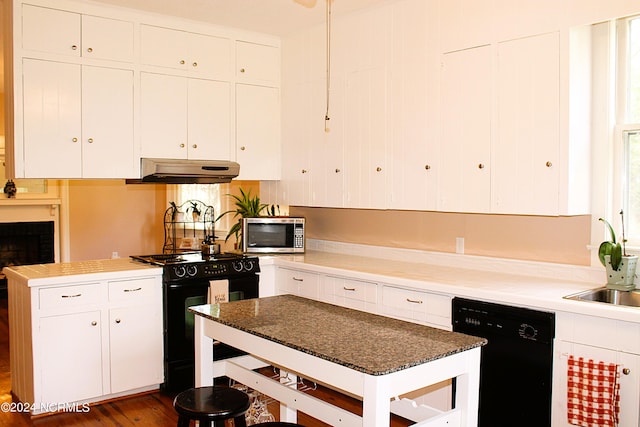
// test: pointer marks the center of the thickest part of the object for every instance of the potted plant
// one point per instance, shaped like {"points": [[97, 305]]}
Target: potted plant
{"points": [[247, 206], [620, 267]]}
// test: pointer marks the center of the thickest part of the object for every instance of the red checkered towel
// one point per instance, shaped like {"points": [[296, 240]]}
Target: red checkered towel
{"points": [[593, 398]]}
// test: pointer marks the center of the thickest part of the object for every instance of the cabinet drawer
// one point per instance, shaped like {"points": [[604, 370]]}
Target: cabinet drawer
{"points": [[134, 290], [420, 306], [70, 296], [296, 282]]}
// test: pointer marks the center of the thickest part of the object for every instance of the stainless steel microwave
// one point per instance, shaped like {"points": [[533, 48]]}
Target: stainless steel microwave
{"points": [[284, 235]]}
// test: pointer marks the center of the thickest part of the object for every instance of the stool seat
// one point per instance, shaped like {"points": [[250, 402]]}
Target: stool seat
{"points": [[212, 404]]}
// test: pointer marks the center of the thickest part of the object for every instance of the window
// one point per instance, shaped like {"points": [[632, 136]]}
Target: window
{"points": [[628, 122], [210, 194]]}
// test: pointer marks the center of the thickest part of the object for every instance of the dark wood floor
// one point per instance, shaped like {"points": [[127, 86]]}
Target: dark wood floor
{"points": [[152, 409]]}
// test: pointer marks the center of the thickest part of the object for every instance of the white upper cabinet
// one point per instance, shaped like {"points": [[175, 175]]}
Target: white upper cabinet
{"points": [[466, 105], [181, 50], [526, 148], [258, 132], [184, 118], [65, 131], [73, 34], [257, 63]]}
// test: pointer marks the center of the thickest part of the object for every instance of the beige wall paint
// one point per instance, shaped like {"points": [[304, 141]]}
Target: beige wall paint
{"points": [[108, 215], [552, 239]]}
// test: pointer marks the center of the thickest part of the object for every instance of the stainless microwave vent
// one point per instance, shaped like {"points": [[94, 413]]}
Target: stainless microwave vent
{"points": [[178, 171]]}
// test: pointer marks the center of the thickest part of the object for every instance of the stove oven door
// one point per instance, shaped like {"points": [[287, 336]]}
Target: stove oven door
{"points": [[179, 326]]}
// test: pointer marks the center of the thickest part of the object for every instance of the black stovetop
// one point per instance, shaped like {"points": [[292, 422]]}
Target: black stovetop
{"points": [[195, 257]]}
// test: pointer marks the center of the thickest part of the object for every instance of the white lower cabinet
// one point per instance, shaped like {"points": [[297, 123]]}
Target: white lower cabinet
{"points": [[602, 340], [422, 307], [71, 357], [350, 293], [86, 341], [296, 282]]}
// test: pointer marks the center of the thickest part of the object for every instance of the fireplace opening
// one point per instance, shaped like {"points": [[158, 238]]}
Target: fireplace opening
{"points": [[23, 243]]}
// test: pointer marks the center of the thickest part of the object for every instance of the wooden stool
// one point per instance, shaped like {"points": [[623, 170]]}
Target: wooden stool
{"points": [[211, 406]]}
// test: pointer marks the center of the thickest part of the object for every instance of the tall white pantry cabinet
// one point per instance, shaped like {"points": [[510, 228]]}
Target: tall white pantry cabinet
{"points": [[85, 333], [91, 89]]}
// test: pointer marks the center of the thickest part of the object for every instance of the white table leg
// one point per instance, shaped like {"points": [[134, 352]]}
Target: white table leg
{"points": [[376, 405], [468, 390], [203, 354]]}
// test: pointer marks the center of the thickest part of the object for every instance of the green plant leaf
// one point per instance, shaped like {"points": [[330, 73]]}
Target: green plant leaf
{"points": [[611, 231], [616, 256], [604, 249]]}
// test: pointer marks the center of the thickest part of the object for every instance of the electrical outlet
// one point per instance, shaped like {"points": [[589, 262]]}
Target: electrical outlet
{"points": [[114, 255], [459, 245]]}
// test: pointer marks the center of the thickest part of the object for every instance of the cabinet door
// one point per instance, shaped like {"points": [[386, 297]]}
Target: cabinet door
{"points": [[52, 126], [181, 50], [258, 132], [104, 38], [366, 174], [71, 357], [258, 63], [629, 380], [50, 30], [163, 116], [209, 56], [107, 123], [209, 120], [135, 347], [163, 47], [526, 147], [464, 172]]}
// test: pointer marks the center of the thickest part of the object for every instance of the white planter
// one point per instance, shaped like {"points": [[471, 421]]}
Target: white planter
{"points": [[622, 278]]}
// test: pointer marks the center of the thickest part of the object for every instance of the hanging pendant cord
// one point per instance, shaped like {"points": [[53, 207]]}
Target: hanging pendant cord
{"points": [[326, 115]]}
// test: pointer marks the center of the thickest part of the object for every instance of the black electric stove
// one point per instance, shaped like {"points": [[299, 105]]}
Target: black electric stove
{"points": [[186, 279]]}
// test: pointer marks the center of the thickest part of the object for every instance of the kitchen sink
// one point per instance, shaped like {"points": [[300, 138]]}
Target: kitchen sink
{"points": [[609, 296]]}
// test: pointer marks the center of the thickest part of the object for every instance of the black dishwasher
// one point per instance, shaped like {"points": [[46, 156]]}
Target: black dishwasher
{"points": [[516, 364]]}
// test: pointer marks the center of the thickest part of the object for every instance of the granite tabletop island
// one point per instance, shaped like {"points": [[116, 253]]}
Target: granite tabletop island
{"points": [[365, 342], [359, 346]]}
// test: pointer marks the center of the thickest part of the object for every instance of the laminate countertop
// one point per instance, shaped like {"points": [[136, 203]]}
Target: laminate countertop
{"points": [[365, 342]]}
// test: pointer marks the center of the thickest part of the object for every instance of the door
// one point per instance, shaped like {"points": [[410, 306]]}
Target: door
{"points": [[163, 116], [135, 350], [258, 132], [52, 119], [464, 173], [107, 123], [209, 120], [71, 357]]}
